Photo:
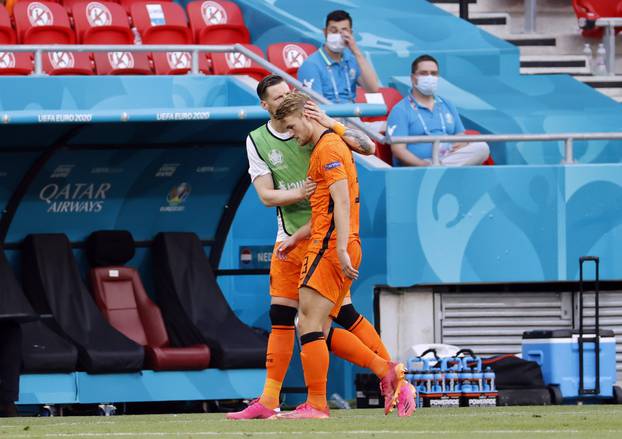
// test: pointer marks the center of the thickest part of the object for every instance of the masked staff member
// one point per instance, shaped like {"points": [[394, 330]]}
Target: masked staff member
{"points": [[339, 65], [425, 113]]}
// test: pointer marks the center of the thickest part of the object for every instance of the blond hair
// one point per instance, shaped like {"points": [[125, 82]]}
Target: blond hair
{"points": [[293, 102]]}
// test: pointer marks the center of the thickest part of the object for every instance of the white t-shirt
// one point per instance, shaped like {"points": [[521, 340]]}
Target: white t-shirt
{"points": [[257, 167]]}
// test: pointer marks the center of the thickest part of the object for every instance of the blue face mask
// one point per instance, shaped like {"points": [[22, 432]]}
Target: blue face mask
{"points": [[427, 84]]}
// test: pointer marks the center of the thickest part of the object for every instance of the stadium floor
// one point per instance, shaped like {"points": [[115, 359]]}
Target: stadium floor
{"points": [[526, 422]]}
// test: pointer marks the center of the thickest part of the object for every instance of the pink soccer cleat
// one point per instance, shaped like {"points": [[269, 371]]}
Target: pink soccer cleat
{"points": [[391, 384], [406, 399], [305, 411], [255, 410]]}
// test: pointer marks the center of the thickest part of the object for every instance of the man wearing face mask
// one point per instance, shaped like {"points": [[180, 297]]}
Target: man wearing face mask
{"points": [[424, 113], [339, 65]]}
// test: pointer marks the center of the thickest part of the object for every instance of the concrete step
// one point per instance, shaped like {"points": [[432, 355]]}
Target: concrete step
{"points": [[610, 86], [485, 19], [522, 40], [579, 63]]}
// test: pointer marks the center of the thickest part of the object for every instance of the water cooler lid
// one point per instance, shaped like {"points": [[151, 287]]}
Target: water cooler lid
{"points": [[563, 333]]}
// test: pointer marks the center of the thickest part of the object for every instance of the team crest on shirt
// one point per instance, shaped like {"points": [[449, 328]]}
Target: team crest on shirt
{"points": [[391, 129], [275, 157], [308, 83], [352, 73], [449, 118]]}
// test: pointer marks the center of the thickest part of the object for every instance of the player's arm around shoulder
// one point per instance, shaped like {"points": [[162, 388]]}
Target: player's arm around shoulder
{"points": [[261, 176], [356, 140]]}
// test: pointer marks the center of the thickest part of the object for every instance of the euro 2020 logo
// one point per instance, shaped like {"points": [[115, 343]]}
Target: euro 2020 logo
{"points": [[178, 194]]}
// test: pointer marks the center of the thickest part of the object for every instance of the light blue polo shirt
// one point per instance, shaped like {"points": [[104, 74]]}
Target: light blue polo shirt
{"points": [[336, 81], [404, 121]]}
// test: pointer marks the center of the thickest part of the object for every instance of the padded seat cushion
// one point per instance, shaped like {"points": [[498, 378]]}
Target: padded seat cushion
{"points": [[185, 358]]}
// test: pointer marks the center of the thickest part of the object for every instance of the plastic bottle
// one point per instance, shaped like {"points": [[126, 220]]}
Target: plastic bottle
{"points": [[489, 377], [137, 38], [600, 66], [339, 402], [589, 57]]}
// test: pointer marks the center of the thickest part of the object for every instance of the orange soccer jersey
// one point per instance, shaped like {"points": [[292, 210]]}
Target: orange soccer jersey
{"points": [[331, 161]]}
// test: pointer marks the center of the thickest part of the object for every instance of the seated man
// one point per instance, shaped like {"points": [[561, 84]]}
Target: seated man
{"points": [[335, 69], [423, 113]]}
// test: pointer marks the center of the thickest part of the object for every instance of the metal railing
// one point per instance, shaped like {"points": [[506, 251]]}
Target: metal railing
{"points": [[609, 41], [531, 12], [195, 51], [567, 138]]}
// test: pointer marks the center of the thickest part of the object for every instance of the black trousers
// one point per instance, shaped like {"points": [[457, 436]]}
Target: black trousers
{"points": [[10, 361]]}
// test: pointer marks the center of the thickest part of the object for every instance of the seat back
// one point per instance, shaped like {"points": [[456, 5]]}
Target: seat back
{"points": [[101, 22], [122, 63], [16, 63], [118, 290], [178, 63], [67, 63], [42, 22], [53, 284], [7, 35], [127, 4], [122, 299], [289, 56], [161, 23], [194, 308], [235, 63], [217, 22], [390, 96]]}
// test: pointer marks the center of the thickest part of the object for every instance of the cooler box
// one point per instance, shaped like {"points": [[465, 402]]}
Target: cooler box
{"points": [[557, 353]]}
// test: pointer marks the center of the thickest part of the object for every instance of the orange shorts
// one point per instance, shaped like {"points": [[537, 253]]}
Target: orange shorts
{"points": [[285, 275], [321, 272]]}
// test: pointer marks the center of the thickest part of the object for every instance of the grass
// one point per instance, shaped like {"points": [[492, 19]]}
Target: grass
{"points": [[593, 421]]}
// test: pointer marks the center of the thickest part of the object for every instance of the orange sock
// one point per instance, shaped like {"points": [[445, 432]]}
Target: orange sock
{"points": [[315, 359], [366, 332], [346, 345], [280, 347]]}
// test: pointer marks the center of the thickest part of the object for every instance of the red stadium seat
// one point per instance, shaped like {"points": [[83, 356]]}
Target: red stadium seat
{"points": [[16, 63], [234, 63], [217, 22], [178, 63], [67, 63], [391, 97], [593, 10], [101, 22], [127, 4], [289, 56], [121, 297], [42, 22], [161, 23], [122, 63], [7, 35]]}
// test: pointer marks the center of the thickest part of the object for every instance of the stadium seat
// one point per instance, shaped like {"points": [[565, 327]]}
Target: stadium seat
{"points": [[390, 96], [289, 56], [67, 63], [217, 22], [121, 297], [194, 308], [178, 63], [122, 63], [42, 22], [53, 284], [127, 4], [101, 23], [7, 34], [235, 63], [16, 63], [42, 349], [161, 23], [592, 10]]}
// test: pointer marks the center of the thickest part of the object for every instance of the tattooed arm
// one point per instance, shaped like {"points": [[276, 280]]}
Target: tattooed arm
{"points": [[356, 140]]}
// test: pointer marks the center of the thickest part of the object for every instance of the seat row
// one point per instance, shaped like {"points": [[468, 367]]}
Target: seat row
{"points": [[287, 56], [107, 22], [116, 326]]}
